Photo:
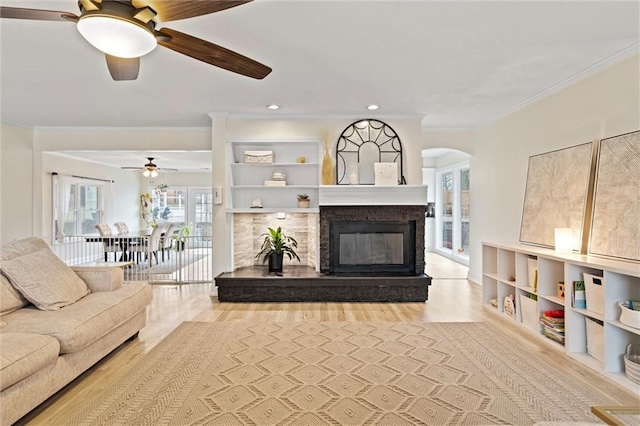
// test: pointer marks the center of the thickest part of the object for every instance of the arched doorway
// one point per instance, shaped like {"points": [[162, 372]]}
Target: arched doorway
{"points": [[447, 174]]}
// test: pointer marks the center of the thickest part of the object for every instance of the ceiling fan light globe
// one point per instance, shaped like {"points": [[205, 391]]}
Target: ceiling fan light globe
{"points": [[116, 36], [146, 173], [154, 173]]}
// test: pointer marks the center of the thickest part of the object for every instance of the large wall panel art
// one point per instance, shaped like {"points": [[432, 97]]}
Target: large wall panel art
{"points": [[557, 195], [615, 229]]}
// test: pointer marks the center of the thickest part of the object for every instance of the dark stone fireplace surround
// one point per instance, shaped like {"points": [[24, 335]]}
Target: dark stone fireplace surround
{"points": [[374, 215]]}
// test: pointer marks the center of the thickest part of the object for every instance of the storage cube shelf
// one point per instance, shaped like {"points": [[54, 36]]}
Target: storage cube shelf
{"points": [[247, 180], [621, 281]]}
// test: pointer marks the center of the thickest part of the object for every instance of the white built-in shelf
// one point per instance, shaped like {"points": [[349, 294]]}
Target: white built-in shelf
{"points": [[275, 210], [274, 165], [246, 180], [621, 281], [275, 188]]}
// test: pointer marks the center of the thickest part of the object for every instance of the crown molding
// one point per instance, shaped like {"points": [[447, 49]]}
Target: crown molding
{"points": [[120, 129], [447, 129], [626, 53], [213, 115], [22, 126], [276, 116]]}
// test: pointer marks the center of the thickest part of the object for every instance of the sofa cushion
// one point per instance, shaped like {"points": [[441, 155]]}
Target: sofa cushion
{"points": [[19, 248], [78, 325], [45, 280], [10, 298], [24, 354], [100, 278]]}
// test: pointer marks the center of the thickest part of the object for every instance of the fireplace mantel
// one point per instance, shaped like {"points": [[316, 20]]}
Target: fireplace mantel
{"points": [[372, 195]]}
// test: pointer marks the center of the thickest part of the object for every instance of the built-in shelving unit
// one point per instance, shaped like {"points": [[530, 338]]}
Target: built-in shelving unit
{"points": [[621, 281], [246, 181]]}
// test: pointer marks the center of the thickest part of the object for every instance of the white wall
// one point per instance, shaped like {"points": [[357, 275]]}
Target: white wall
{"points": [[603, 105], [408, 130], [127, 188], [26, 192], [223, 128], [16, 188], [461, 140]]}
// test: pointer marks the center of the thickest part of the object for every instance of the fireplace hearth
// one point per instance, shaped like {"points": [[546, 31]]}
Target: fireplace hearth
{"points": [[368, 253]]}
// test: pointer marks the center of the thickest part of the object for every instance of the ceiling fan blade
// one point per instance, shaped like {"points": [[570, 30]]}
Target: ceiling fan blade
{"points": [[123, 68], [182, 9], [37, 14], [211, 53]]}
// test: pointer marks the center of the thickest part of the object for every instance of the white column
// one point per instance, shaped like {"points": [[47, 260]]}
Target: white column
{"points": [[220, 230]]}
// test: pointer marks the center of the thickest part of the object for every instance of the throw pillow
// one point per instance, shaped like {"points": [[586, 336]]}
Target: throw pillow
{"points": [[45, 280], [10, 299]]}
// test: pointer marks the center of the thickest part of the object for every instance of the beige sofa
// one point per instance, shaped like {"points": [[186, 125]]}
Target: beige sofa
{"points": [[56, 322]]}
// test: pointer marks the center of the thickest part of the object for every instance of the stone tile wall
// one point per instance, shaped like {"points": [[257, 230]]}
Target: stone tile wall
{"points": [[248, 227]]}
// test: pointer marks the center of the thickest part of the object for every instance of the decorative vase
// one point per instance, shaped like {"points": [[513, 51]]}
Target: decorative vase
{"points": [[275, 262], [327, 168]]}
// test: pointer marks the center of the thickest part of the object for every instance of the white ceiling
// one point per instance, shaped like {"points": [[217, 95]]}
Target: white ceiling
{"points": [[184, 161], [460, 64]]}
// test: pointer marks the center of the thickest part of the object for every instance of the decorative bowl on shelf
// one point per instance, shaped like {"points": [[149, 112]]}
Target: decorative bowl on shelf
{"points": [[279, 175]]}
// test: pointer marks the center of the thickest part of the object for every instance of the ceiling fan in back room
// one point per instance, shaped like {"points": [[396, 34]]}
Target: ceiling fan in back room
{"points": [[150, 169], [125, 30]]}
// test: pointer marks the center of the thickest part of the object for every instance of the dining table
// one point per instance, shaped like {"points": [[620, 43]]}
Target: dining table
{"points": [[124, 240]]}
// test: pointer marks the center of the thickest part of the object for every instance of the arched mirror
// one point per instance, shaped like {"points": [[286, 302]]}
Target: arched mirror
{"points": [[360, 146]]}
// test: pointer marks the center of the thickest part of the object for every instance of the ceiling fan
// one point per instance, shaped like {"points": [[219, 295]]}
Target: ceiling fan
{"points": [[150, 169], [125, 30]]}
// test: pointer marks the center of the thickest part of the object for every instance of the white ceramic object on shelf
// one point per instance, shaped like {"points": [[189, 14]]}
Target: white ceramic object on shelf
{"points": [[628, 316]]}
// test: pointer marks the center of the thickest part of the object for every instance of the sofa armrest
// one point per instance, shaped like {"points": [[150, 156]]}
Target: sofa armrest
{"points": [[101, 278]]}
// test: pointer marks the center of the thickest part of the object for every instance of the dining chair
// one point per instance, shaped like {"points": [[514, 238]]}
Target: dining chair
{"points": [[149, 246], [167, 241], [110, 245], [122, 227]]}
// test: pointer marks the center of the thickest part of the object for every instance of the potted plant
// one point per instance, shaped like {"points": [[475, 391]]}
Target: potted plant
{"points": [[275, 246], [182, 236], [303, 201]]}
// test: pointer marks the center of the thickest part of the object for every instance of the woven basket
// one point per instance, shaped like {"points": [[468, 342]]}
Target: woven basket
{"points": [[594, 293], [595, 338], [632, 363], [258, 157], [529, 311], [629, 316]]}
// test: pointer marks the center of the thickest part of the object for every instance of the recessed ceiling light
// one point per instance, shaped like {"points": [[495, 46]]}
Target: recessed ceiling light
{"points": [[273, 106], [372, 107]]}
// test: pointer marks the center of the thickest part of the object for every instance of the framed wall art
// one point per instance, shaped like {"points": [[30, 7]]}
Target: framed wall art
{"points": [[615, 227], [557, 195]]}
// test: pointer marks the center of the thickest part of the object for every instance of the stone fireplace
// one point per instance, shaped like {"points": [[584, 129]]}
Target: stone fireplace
{"points": [[370, 243], [385, 240]]}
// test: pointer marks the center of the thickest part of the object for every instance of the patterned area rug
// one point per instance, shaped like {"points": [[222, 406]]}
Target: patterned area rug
{"points": [[338, 374]]}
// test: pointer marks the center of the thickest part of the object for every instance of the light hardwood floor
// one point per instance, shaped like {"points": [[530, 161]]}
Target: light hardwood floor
{"points": [[451, 298]]}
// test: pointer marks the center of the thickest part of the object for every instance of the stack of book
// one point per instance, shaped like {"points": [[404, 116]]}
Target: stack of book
{"points": [[553, 325]]}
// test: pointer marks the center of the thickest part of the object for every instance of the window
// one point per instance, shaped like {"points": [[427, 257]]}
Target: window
{"points": [[447, 210], [169, 205], [465, 211], [453, 212], [84, 210]]}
